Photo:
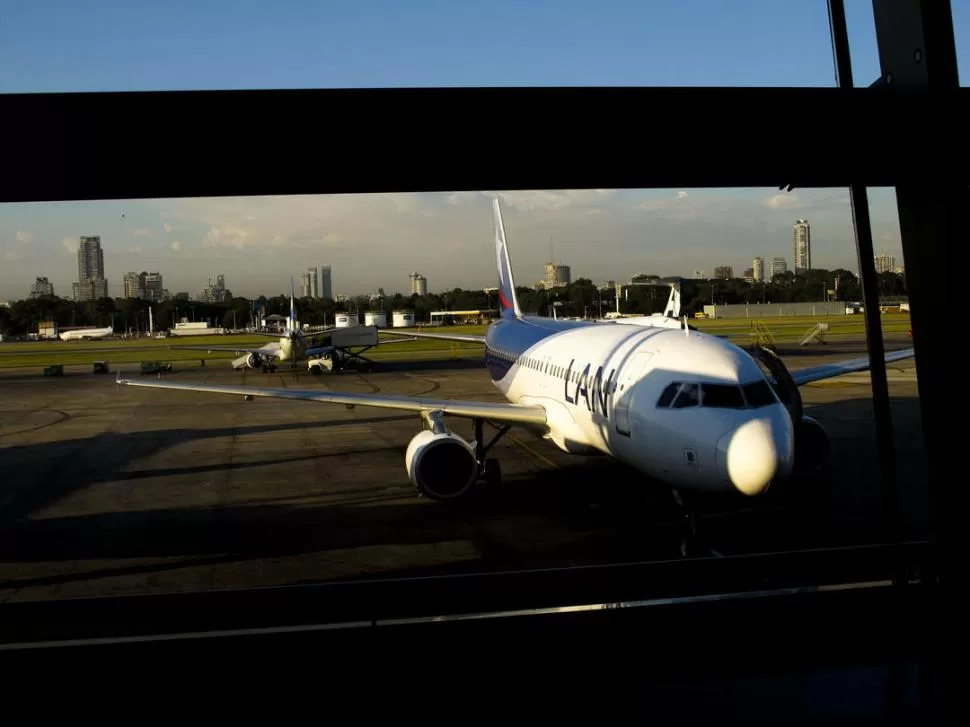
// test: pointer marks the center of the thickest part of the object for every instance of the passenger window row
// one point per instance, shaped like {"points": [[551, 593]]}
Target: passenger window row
{"points": [[547, 367]]}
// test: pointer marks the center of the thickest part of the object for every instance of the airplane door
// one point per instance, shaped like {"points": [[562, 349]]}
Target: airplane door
{"points": [[631, 373]]}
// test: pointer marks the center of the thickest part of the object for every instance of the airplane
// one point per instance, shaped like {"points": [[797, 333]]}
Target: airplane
{"points": [[293, 346], [692, 411], [83, 334]]}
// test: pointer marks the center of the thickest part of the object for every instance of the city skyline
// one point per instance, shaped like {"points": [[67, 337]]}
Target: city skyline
{"points": [[376, 241]]}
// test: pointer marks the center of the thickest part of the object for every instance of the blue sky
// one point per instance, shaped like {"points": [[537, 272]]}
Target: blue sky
{"points": [[56, 45]]}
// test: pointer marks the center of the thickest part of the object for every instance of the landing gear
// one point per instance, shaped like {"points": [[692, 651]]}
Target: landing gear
{"points": [[490, 472], [691, 544]]}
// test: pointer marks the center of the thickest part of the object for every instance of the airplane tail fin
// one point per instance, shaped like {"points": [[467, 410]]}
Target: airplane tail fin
{"points": [[673, 302], [506, 285]]}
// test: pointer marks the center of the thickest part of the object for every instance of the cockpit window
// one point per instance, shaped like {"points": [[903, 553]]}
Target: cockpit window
{"points": [[759, 394], [689, 396], [668, 396], [722, 396]]}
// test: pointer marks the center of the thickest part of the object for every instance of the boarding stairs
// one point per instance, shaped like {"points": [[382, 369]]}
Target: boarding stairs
{"points": [[764, 338], [816, 332]]}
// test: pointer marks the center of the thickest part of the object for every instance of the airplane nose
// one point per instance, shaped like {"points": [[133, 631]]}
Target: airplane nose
{"points": [[751, 456]]}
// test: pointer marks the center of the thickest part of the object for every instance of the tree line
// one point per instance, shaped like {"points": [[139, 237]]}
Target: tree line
{"points": [[579, 299]]}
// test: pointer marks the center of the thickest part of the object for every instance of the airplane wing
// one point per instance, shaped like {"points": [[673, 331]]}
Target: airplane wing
{"points": [[827, 371], [493, 411], [267, 352], [462, 338], [319, 350]]}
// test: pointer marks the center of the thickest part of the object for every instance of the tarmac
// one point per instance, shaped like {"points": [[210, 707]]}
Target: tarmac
{"points": [[118, 490]]}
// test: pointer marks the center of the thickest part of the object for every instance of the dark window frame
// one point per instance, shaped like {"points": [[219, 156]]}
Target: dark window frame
{"points": [[138, 145]]}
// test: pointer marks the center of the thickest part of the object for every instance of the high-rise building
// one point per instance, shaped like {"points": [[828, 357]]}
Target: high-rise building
{"points": [[305, 285], [91, 283], [147, 286], [40, 287], [214, 293], [313, 281], [723, 272], [885, 263], [556, 276], [326, 282], [134, 286], [803, 246], [748, 275], [154, 287], [758, 270], [419, 284], [776, 265]]}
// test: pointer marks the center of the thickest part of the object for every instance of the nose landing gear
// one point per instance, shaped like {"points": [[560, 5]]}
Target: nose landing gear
{"points": [[692, 544]]}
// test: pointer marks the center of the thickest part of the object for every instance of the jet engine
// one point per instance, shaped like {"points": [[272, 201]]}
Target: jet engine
{"points": [[441, 465], [812, 444], [254, 361]]}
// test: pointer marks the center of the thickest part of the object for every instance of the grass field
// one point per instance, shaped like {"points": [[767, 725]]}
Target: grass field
{"points": [[18, 355]]}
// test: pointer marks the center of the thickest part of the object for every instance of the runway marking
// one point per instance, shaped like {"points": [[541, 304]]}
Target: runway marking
{"points": [[538, 455]]}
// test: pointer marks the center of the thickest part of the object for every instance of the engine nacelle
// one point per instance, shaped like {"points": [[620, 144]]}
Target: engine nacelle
{"points": [[442, 466], [254, 361], [812, 446]]}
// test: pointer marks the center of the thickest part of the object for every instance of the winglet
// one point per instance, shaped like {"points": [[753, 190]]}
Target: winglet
{"points": [[506, 285]]}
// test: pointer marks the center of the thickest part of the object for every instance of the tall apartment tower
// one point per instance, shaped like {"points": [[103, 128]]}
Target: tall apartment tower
{"points": [[91, 283], [557, 275], [885, 263], [326, 282], [313, 283], [803, 246], [758, 270]]}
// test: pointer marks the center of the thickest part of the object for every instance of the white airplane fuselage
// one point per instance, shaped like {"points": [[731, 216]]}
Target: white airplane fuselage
{"points": [[292, 348], [83, 333], [602, 384]]}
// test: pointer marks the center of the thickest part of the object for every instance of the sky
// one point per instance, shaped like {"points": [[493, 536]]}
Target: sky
{"points": [[374, 241]]}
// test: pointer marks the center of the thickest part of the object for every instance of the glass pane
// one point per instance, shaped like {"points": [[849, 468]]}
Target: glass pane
{"points": [[137, 489], [183, 45]]}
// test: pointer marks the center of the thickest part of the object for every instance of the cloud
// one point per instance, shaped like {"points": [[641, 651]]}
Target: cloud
{"points": [[143, 232], [23, 237], [176, 245], [14, 255], [71, 244], [785, 200], [553, 200], [681, 194], [228, 236], [167, 227]]}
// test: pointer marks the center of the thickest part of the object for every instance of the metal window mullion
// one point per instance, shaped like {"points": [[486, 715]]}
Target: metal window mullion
{"points": [[885, 446]]}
